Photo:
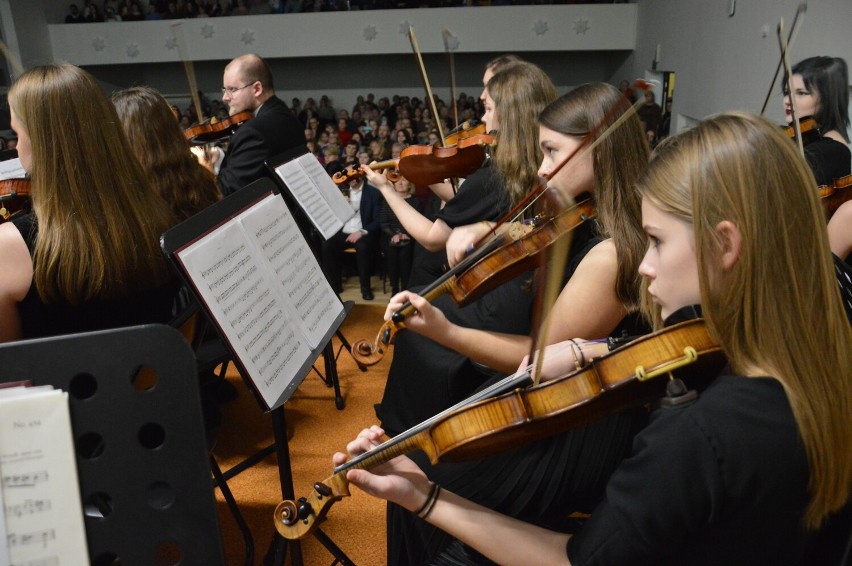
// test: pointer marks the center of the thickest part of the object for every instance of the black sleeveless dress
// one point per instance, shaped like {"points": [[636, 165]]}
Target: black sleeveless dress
{"points": [[39, 319]]}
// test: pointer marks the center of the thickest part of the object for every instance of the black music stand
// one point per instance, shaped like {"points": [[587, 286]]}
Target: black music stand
{"points": [[190, 231], [139, 439]]}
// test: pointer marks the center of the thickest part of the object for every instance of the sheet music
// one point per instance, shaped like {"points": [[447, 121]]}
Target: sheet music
{"points": [[12, 169], [233, 279], [41, 494], [309, 184], [313, 302]]}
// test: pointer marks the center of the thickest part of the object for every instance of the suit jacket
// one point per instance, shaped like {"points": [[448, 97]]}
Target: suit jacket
{"points": [[370, 209], [273, 131]]}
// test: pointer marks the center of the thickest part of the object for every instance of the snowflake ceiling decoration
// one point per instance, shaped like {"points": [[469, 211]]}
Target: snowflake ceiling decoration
{"points": [[98, 44], [452, 42], [171, 43], [540, 27], [370, 33], [581, 26], [207, 31], [247, 37], [132, 50]]}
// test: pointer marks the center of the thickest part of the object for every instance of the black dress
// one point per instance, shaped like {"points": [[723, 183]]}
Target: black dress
{"points": [[480, 197], [542, 483], [39, 319], [829, 160]]}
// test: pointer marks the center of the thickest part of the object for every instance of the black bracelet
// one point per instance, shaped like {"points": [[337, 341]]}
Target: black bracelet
{"points": [[433, 501], [432, 489]]}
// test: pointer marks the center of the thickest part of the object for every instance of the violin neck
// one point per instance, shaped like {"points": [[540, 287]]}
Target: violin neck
{"points": [[388, 163]]}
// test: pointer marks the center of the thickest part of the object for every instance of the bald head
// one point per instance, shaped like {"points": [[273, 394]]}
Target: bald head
{"points": [[250, 68]]}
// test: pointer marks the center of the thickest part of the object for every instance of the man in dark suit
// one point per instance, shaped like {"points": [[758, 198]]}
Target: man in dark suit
{"points": [[360, 232], [247, 87]]}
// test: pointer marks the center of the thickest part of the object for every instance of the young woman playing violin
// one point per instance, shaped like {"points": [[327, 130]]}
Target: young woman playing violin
{"points": [[753, 468], [162, 149], [600, 298], [518, 95], [87, 257], [503, 180], [820, 88]]}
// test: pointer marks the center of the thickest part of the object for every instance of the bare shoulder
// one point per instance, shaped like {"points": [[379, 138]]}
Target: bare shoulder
{"points": [[602, 256], [16, 266]]}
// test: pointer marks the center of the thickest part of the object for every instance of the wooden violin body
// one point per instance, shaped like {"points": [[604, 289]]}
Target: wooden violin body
{"points": [[835, 194], [481, 273], [14, 197], [212, 132], [623, 378], [431, 164], [342, 178], [809, 128]]}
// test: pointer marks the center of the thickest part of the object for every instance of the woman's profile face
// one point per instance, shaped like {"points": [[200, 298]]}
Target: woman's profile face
{"points": [[807, 100], [669, 263], [577, 176], [490, 116]]}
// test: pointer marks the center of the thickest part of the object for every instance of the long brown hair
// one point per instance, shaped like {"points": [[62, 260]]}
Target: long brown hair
{"points": [[153, 129], [98, 225], [778, 309], [520, 92], [618, 162]]}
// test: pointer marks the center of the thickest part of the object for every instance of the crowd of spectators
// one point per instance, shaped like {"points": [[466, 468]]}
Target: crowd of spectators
{"points": [[136, 10]]}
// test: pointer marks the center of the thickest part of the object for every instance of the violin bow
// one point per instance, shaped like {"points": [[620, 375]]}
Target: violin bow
{"points": [[12, 59], [423, 76], [189, 69], [447, 34], [794, 29], [797, 128]]}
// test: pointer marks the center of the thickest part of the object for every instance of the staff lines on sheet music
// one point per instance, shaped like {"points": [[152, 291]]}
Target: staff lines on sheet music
{"points": [[243, 297], [265, 328], [230, 273], [223, 296], [223, 261], [34, 537], [25, 480], [247, 311], [268, 307], [267, 228], [29, 507], [283, 364], [280, 251]]}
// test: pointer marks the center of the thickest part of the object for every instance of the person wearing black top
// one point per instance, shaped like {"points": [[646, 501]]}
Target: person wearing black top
{"points": [[756, 468], [397, 245], [247, 87]]}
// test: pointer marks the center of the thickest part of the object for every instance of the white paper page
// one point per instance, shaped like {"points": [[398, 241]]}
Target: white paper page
{"points": [[232, 281], [309, 198], [12, 169], [326, 187], [41, 494], [312, 300]]}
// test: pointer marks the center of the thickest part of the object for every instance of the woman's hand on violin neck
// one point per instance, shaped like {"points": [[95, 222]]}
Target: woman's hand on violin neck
{"points": [[399, 480], [428, 320], [378, 180], [463, 239]]}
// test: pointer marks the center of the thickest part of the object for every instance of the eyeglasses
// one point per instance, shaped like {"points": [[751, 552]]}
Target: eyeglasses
{"points": [[232, 89]]}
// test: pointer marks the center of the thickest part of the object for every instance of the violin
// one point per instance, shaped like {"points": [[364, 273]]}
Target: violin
{"points": [[485, 424], [14, 197], [834, 195], [465, 130], [809, 128], [212, 132], [490, 267], [430, 164]]}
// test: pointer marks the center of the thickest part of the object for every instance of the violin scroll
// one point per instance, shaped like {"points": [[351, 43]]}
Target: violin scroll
{"points": [[369, 354]]}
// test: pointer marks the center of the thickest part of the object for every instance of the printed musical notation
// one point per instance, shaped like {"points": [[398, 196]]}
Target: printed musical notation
{"points": [[316, 194], [41, 497], [266, 291]]}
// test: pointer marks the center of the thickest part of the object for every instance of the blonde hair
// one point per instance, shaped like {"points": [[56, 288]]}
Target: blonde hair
{"points": [[742, 169], [151, 127], [618, 161], [98, 225], [519, 91]]}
